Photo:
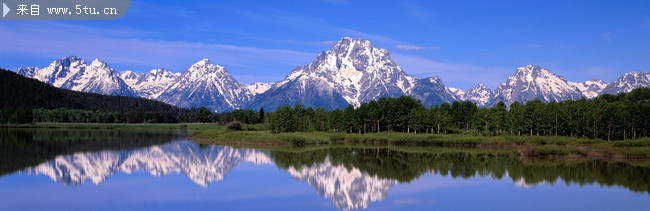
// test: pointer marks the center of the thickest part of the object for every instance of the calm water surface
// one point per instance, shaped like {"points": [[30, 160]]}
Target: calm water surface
{"points": [[122, 169]]}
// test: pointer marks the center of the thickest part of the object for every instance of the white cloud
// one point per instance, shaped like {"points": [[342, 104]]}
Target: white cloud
{"points": [[329, 42], [415, 48], [58, 40], [406, 201], [410, 47], [310, 24]]}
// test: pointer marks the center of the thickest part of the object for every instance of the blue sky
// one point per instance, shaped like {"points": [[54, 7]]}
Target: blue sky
{"points": [[463, 42]]}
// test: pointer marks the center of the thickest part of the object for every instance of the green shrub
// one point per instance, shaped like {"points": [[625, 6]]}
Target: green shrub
{"points": [[235, 125], [550, 150]]}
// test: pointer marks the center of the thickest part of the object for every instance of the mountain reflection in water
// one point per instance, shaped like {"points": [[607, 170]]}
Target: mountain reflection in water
{"points": [[202, 166], [351, 176], [348, 188]]}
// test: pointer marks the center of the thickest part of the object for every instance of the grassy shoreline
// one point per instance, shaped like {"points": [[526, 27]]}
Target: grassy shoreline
{"points": [[255, 136], [528, 146]]}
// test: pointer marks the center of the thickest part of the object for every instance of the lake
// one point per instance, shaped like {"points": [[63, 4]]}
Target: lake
{"points": [[136, 169]]}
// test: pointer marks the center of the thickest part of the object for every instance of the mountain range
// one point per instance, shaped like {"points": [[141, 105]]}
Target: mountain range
{"points": [[352, 72], [73, 73]]}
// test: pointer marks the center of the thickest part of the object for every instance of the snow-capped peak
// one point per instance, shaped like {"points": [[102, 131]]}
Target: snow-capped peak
{"points": [[435, 79], [479, 94], [73, 73], [129, 77], [628, 82], [202, 63], [98, 63], [530, 82], [67, 61], [206, 67], [528, 72], [152, 83], [27, 71], [347, 47], [206, 84], [590, 88], [457, 91], [159, 74], [352, 72], [259, 87], [527, 69]]}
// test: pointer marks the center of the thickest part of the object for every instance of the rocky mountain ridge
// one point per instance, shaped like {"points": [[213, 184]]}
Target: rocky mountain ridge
{"points": [[351, 73]]}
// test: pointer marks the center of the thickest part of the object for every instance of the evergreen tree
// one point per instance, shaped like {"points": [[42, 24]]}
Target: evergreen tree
{"points": [[203, 114], [261, 118]]}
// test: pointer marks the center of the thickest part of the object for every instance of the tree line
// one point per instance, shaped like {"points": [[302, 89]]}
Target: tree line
{"points": [[25, 115], [610, 117]]}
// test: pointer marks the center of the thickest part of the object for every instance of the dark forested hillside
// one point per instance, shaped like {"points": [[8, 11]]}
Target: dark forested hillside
{"points": [[16, 91], [20, 93]]}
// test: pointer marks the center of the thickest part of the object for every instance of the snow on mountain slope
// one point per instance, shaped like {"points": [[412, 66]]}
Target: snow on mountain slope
{"points": [[203, 84], [590, 88], [432, 91], [73, 73], [352, 72], [259, 87], [29, 72], [99, 78], [152, 83], [57, 73], [296, 89], [458, 92], [628, 82], [531, 82], [479, 94], [206, 84], [129, 77]]}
